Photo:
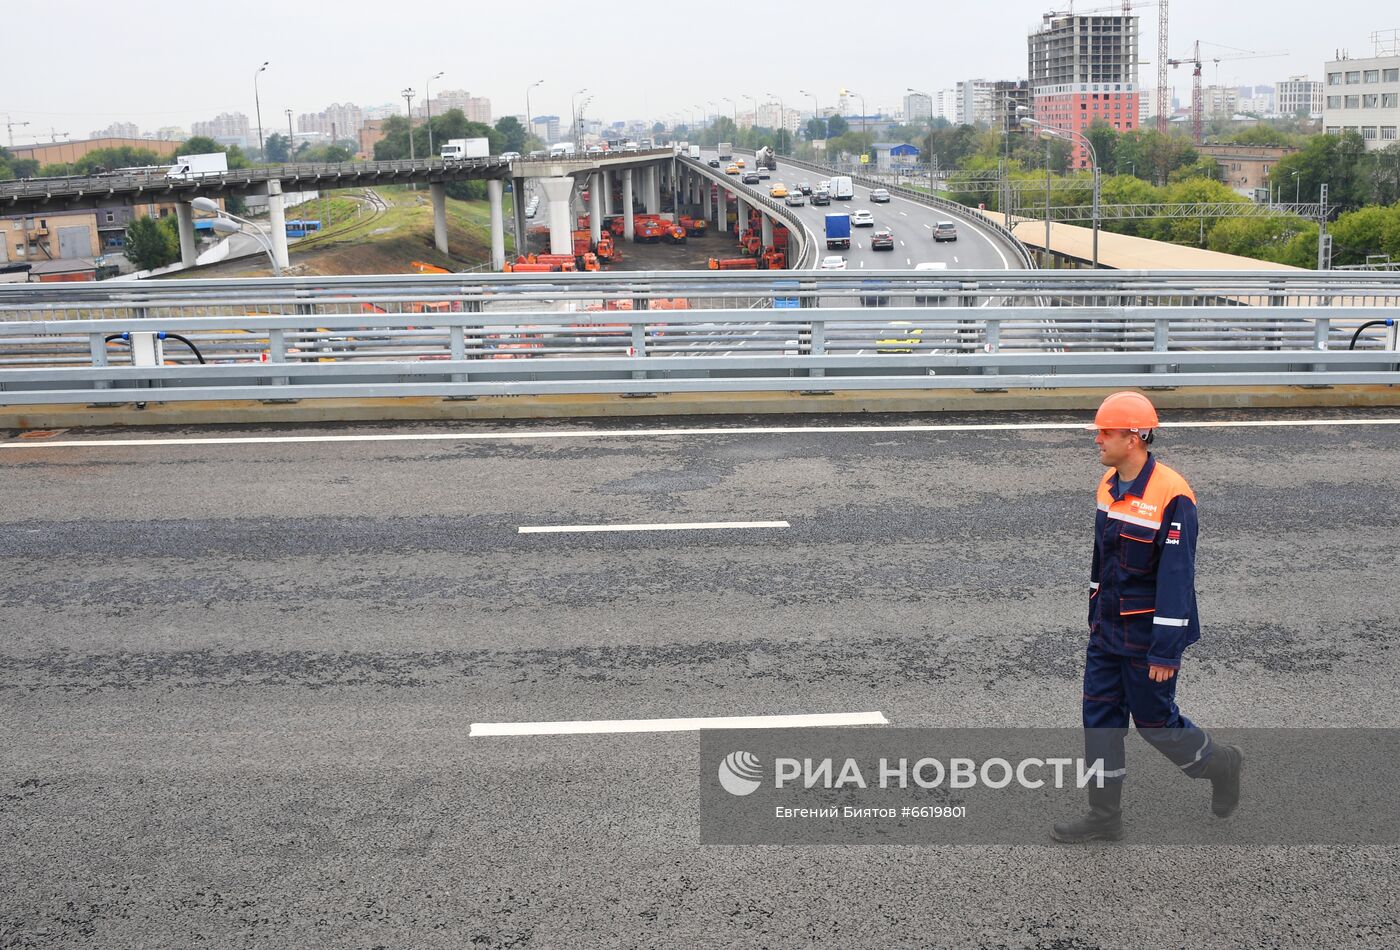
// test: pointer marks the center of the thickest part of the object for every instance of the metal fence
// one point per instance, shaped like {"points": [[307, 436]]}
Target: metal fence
{"points": [[649, 333]]}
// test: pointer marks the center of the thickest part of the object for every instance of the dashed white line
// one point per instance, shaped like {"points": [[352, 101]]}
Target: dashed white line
{"points": [[602, 726], [905, 213], [678, 526], [908, 262]]}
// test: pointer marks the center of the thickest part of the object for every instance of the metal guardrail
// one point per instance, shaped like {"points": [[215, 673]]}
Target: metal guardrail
{"points": [[118, 182], [882, 336], [807, 258], [1022, 253]]}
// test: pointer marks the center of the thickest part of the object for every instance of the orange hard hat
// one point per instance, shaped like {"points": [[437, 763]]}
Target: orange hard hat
{"points": [[1125, 410]]}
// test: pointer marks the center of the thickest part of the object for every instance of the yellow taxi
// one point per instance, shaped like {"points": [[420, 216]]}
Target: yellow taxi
{"points": [[732, 169], [777, 190], [900, 341], [739, 162]]}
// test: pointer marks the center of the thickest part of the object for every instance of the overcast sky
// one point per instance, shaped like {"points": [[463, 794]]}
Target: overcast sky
{"points": [[82, 65]]}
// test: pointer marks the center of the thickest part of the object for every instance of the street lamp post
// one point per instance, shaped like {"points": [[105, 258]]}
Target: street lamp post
{"points": [[428, 104], [816, 112], [1069, 135], [408, 104], [223, 225], [530, 119], [573, 113], [1297, 184], [289, 133], [782, 120], [257, 105], [736, 114]]}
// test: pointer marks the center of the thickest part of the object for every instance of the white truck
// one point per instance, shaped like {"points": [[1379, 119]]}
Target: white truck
{"points": [[726, 151], [197, 166], [841, 188], [456, 150], [693, 151], [561, 149]]}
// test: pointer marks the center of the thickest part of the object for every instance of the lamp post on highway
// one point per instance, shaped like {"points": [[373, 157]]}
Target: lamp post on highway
{"points": [[816, 112], [1297, 185], [1069, 135], [754, 100], [224, 225], [929, 96], [573, 113], [408, 106], [782, 120], [257, 105], [736, 114], [864, 120], [289, 133], [530, 119], [428, 104]]}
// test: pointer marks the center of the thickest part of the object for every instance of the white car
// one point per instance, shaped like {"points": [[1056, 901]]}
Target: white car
{"points": [[862, 219], [833, 263], [880, 195]]}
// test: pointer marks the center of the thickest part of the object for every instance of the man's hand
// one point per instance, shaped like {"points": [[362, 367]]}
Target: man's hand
{"points": [[1160, 674]]}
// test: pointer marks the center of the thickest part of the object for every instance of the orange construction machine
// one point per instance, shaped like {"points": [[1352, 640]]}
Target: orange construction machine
{"points": [[733, 263]]}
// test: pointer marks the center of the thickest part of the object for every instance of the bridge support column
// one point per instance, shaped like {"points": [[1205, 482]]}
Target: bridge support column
{"points": [[741, 215], [722, 214], [518, 202], [184, 219], [652, 191], [495, 192], [607, 192], [628, 222], [559, 191], [767, 231], [277, 224], [706, 206], [595, 209], [437, 191]]}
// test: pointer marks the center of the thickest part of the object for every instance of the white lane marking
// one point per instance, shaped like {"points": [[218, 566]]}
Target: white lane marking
{"points": [[647, 433], [955, 258], [596, 726], [905, 213], [929, 226], [975, 230], [901, 243], [678, 526], [862, 264], [908, 262]]}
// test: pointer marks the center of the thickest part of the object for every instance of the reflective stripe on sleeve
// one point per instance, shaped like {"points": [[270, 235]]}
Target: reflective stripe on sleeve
{"points": [[1093, 585], [1170, 621]]}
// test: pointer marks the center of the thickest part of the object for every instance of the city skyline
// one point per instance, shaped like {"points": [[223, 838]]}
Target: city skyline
{"points": [[308, 77]]}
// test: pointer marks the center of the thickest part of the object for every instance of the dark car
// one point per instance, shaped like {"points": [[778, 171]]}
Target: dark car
{"points": [[805, 187], [821, 197], [750, 178], [882, 240], [714, 163]]}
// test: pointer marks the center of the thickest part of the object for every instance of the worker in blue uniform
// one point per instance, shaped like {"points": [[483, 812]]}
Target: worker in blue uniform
{"points": [[1142, 617]]}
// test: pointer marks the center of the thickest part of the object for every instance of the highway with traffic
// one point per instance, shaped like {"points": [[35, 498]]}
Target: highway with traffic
{"points": [[911, 222], [248, 675]]}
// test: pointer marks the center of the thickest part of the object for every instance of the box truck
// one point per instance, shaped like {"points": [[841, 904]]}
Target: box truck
{"points": [[456, 150], [197, 166], [726, 151], [838, 230], [841, 188]]}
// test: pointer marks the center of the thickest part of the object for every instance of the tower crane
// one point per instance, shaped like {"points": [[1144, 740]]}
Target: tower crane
{"points": [[1195, 60]]}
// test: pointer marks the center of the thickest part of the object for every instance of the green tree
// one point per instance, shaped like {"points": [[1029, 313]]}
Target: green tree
{"points": [[1363, 232], [1279, 238], [1266, 135], [658, 127], [277, 148], [1105, 141], [11, 167], [152, 243], [1334, 160], [837, 126], [512, 134], [815, 129]]}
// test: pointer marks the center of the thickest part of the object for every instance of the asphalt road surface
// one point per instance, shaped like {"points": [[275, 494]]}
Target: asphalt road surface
{"points": [[911, 222], [239, 680]]}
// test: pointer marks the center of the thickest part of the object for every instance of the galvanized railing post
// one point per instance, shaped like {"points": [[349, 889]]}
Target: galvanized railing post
{"points": [[1322, 329], [97, 346], [639, 347], [1160, 328]]}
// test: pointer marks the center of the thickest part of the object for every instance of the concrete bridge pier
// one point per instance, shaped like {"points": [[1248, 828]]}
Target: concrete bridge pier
{"points": [[184, 219], [706, 205], [277, 223], [495, 193], [518, 201], [651, 190], [607, 192], [559, 191], [437, 191], [595, 208], [741, 215], [628, 222], [767, 231], [722, 214]]}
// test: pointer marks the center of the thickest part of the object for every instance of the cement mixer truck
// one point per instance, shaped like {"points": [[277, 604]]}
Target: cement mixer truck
{"points": [[764, 158]]}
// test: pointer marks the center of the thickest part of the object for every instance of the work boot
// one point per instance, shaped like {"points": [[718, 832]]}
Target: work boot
{"points": [[1223, 769], [1104, 822]]}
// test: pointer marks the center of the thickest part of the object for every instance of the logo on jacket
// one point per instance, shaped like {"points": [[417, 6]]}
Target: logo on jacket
{"points": [[1143, 508], [1174, 534]]}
